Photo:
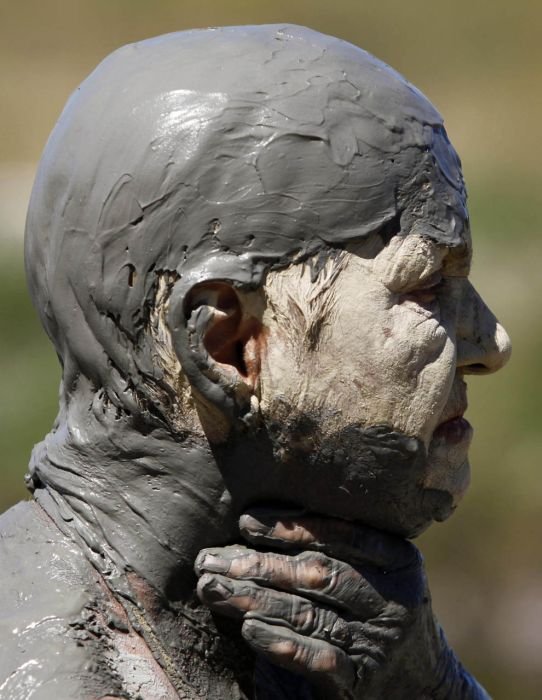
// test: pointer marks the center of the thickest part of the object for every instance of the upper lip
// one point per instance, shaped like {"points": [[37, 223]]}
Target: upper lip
{"points": [[458, 403], [453, 415]]}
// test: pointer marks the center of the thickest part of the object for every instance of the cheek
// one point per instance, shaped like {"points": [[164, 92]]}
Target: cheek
{"points": [[428, 360], [377, 364], [280, 368], [397, 368], [393, 346], [420, 343]]}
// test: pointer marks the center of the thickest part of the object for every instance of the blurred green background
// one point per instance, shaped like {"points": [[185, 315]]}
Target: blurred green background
{"points": [[480, 63]]}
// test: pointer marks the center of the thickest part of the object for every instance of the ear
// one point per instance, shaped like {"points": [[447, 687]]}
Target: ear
{"points": [[228, 331], [224, 339]]}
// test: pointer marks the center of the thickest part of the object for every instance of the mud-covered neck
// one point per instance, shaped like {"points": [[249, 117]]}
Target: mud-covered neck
{"points": [[134, 497]]}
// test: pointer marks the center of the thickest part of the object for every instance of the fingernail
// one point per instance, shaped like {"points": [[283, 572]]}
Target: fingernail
{"points": [[264, 519], [214, 590], [212, 563], [260, 525]]}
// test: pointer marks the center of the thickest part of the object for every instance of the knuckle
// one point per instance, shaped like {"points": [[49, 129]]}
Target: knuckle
{"points": [[340, 632], [314, 570], [249, 565], [392, 627], [300, 654], [326, 660], [328, 626], [318, 659], [288, 648], [305, 618]]}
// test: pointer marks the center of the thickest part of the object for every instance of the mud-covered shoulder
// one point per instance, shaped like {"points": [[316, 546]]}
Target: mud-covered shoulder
{"points": [[53, 643]]}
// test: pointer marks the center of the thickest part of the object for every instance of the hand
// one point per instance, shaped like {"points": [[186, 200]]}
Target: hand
{"points": [[343, 605]]}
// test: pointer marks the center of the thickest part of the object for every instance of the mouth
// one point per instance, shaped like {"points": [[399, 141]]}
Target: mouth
{"points": [[454, 430]]}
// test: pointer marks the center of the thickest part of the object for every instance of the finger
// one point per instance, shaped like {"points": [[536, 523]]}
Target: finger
{"points": [[311, 575], [324, 663], [222, 560], [353, 542], [240, 599]]}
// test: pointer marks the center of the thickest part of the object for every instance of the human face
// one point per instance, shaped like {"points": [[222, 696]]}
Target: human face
{"points": [[401, 326]]}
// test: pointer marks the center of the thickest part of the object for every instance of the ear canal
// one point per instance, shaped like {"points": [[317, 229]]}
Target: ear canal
{"points": [[231, 335], [223, 339]]}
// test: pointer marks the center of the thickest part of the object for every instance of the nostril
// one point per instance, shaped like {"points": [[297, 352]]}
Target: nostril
{"points": [[476, 368], [484, 352]]}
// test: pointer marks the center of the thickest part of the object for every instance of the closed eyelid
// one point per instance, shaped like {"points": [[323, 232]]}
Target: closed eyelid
{"points": [[426, 282], [409, 262], [429, 282]]}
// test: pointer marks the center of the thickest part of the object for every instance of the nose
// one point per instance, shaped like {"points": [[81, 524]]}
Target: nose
{"points": [[483, 346]]}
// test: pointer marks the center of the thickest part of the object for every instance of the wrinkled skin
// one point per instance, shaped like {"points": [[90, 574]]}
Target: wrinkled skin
{"points": [[185, 174], [402, 329], [344, 605]]}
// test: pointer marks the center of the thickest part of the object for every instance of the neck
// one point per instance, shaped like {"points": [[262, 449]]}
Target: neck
{"points": [[141, 507], [142, 501]]}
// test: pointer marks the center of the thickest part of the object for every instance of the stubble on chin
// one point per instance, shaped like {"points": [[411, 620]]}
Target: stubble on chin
{"points": [[373, 474]]}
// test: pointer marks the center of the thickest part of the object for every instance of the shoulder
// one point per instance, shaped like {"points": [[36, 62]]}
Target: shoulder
{"points": [[40, 566], [49, 591]]}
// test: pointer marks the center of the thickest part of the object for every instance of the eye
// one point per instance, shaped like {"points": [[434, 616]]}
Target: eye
{"points": [[427, 290]]}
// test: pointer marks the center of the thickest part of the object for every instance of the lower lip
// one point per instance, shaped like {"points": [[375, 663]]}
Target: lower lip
{"points": [[454, 431]]}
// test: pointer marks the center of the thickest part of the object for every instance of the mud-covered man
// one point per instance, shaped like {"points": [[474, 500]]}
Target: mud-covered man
{"points": [[250, 248]]}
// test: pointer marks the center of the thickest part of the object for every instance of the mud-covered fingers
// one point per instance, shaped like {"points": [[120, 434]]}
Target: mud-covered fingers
{"points": [[245, 599], [320, 661], [352, 542], [312, 575]]}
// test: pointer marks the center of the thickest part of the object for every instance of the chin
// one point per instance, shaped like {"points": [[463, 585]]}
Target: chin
{"points": [[376, 475], [407, 517], [448, 467]]}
